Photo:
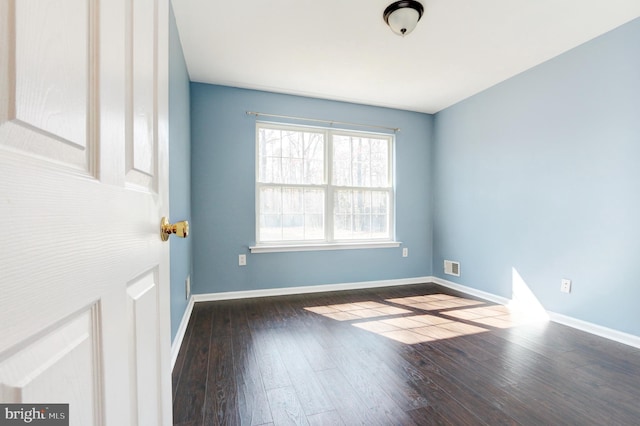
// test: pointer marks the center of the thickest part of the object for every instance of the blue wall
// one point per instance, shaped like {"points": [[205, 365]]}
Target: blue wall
{"points": [[223, 185], [541, 174], [179, 171]]}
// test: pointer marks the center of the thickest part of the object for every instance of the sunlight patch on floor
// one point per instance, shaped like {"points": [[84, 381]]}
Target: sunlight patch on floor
{"points": [[419, 328], [435, 317], [359, 310]]}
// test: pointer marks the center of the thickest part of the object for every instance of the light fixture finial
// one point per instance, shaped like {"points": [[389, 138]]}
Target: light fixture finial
{"points": [[403, 16]]}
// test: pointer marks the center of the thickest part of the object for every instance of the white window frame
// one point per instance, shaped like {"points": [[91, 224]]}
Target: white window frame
{"points": [[329, 242]]}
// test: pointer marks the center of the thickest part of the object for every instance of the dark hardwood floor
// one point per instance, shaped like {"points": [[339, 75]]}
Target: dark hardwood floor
{"points": [[410, 355]]}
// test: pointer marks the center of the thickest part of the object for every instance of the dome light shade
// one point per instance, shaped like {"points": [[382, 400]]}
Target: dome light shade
{"points": [[403, 16]]}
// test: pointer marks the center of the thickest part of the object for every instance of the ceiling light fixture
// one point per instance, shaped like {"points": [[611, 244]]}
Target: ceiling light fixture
{"points": [[403, 16]]}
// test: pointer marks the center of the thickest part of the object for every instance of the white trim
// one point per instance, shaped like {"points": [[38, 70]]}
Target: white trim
{"points": [[177, 341], [471, 291], [328, 187], [607, 333], [598, 330], [262, 248], [285, 291]]}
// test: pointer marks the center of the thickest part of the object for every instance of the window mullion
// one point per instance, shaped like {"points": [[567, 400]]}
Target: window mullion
{"points": [[352, 161], [329, 200]]}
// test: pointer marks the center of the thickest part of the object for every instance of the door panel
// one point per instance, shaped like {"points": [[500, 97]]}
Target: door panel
{"points": [[84, 306], [144, 350], [51, 94], [141, 141], [66, 354], [47, 46]]}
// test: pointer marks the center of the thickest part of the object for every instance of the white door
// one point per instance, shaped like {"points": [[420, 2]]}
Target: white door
{"points": [[84, 275]]}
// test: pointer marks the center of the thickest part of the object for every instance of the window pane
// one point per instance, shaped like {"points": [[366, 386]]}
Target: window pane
{"points": [[379, 202], [270, 200], [314, 227], [343, 202], [291, 214], [314, 201], [361, 172], [293, 227], [342, 226], [270, 214], [292, 164], [313, 154], [359, 161], [379, 226], [342, 146], [314, 171], [361, 214], [341, 160], [270, 227], [271, 169], [341, 172], [290, 157], [292, 200], [362, 202], [314, 214], [270, 148], [292, 144], [292, 169], [270, 144], [314, 146], [379, 162], [362, 226]]}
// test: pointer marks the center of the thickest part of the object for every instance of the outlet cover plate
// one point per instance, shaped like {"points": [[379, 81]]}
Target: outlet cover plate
{"points": [[565, 286]]}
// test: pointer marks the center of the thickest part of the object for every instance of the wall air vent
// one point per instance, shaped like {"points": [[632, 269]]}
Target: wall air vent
{"points": [[452, 268]]}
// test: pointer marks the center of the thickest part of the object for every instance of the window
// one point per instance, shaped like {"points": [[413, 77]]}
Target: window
{"points": [[317, 186]]}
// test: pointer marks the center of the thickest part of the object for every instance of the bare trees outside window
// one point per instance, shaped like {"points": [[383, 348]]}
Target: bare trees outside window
{"points": [[318, 185]]}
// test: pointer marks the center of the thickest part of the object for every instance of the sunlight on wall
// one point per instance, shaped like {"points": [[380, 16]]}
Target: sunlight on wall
{"points": [[523, 299]]}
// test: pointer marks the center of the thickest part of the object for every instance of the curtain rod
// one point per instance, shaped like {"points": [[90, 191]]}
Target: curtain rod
{"points": [[331, 122]]}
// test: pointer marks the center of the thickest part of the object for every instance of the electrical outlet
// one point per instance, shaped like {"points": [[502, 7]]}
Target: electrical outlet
{"points": [[187, 287], [242, 260], [405, 252], [565, 286]]}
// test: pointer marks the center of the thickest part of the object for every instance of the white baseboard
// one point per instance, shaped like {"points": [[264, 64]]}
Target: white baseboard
{"points": [[471, 291], [598, 330], [285, 291], [177, 341], [608, 333]]}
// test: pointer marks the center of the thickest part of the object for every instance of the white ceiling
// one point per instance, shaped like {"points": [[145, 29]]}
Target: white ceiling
{"points": [[343, 50]]}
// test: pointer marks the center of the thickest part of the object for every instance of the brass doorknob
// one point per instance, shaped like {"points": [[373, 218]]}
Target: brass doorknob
{"points": [[180, 229]]}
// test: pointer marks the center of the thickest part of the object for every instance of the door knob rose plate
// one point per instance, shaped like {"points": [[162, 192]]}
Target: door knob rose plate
{"points": [[180, 229]]}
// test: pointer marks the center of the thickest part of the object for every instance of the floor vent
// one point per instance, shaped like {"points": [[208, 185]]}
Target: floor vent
{"points": [[452, 268]]}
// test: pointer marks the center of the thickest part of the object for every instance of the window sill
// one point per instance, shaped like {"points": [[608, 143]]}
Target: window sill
{"points": [[263, 248]]}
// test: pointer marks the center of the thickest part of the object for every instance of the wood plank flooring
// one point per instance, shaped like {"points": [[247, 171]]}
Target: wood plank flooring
{"points": [[407, 355]]}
